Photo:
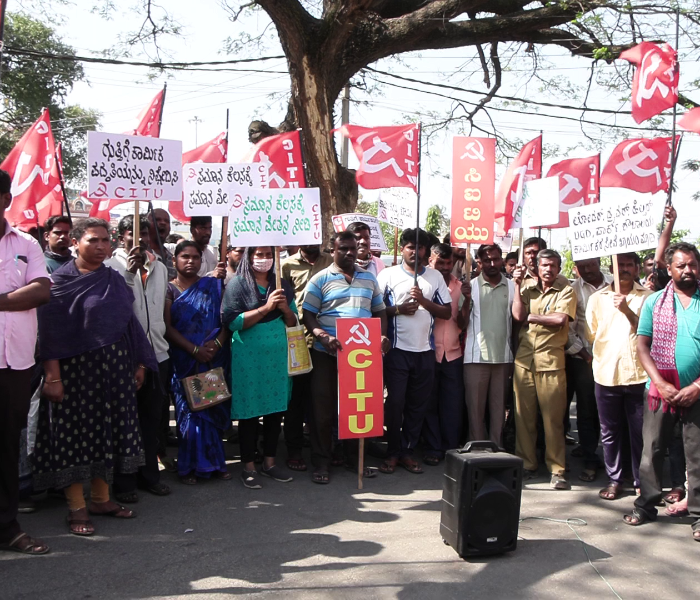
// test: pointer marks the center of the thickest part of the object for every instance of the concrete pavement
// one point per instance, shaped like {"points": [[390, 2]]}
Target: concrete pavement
{"points": [[307, 541]]}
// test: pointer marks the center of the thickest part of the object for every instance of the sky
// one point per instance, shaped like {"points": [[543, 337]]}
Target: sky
{"points": [[196, 102]]}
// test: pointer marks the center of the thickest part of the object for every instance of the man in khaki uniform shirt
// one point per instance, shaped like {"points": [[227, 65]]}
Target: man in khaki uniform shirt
{"points": [[298, 269], [545, 310]]}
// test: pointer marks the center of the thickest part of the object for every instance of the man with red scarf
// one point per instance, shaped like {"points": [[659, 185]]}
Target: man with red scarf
{"points": [[668, 345]]}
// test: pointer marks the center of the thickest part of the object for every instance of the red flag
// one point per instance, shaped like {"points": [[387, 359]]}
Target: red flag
{"points": [[691, 120], [389, 156], [655, 83], [214, 151], [282, 155], [579, 185], [149, 118], [642, 165], [526, 167], [51, 205], [31, 165]]}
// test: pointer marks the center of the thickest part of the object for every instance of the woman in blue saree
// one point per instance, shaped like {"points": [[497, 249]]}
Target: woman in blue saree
{"points": [[198, 343]]}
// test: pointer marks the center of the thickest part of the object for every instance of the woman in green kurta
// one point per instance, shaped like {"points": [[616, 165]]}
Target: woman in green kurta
{"points": [[257, 314]]}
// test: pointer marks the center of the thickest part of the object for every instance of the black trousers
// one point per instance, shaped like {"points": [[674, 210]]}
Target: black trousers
{"points": [[579, 381], [657, 434], [409, 383], [296, 413], [442, 427], [248, 436], [166, 375], [15, 394], [149, 400]]}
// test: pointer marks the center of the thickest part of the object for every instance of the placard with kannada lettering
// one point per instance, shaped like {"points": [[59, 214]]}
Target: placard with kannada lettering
{"points": [[473, 190]]}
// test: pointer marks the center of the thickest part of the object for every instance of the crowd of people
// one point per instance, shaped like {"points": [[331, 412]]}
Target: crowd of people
{"points": [[102, 340]]}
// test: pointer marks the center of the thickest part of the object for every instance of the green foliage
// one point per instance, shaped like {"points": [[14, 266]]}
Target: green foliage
{"points": [[370, 208], [437, 222], [30, 84]]}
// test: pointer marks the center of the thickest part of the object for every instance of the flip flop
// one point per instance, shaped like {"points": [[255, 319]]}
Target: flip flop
{"points": [[78, 526], [588, 475], [675, 495], [188, 479], [611, 492], [159, 489], [636, 518], [25, 544], [431, 461], [127, 497], [296, 464], [411, 466], [321, 477], [388, 466], [118, 512], [367, 472], [223, 475]]}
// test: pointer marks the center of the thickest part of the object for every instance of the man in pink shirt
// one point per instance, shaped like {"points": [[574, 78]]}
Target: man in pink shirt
{"points": [[24, 285], [442, 427]]}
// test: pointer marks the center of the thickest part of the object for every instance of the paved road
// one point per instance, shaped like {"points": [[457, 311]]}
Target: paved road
{"points": [[305, 541]]}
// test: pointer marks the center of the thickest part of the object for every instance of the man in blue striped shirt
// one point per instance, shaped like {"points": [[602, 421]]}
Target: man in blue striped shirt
{"points": [[340, 291]]}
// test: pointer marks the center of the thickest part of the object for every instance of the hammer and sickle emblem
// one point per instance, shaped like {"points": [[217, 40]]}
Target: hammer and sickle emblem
{"points": [[360, 330], [632, 163], [474, 150]]}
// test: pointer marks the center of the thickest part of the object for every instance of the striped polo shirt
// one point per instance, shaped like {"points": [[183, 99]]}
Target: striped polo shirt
{"points": [[329, 296]]}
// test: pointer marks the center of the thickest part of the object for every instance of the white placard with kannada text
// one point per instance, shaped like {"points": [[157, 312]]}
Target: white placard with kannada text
{"points": [[276, 217], [504, 241], [209, 188], [129, 167], [397, 207], [614, 227], [540, 205], [376, 241]]}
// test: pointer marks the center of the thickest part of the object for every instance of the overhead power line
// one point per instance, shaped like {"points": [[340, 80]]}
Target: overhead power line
{"points": [[12, 50]]}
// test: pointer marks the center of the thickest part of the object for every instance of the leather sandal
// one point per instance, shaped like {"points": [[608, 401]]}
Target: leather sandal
{"points": [[25, 544], [79, 523], [637, 518], [611, 492]]}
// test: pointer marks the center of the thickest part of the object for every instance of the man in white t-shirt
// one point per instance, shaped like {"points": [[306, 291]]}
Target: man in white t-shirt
{"points": [[409, 367]]}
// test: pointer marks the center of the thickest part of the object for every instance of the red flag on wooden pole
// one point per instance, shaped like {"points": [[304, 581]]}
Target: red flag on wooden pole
{"points": [[31, 164]]}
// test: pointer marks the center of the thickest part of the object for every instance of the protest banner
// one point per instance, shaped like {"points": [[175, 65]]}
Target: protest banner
{"points": [[211, 187], [540, 203], [614, 227], [127, 167], [473, 185], [360, 382], [396, 206], [341, 223], [280, 217], [504, 241]]}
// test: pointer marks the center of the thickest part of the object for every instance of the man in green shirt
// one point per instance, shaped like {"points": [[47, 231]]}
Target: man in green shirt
{"points": [[668, 344]]}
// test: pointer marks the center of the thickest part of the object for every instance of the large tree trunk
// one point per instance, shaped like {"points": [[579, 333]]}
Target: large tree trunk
{"points": [[313, 104]]}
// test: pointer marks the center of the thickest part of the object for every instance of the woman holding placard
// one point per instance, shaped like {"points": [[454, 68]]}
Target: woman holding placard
{"points": [[197, 345], [257, 314]]}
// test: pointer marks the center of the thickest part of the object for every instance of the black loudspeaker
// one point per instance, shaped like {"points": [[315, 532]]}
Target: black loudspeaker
{"points": [[481, 500]]}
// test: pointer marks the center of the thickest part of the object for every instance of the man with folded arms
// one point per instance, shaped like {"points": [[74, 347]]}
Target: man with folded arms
{"points": [[545, 309], [668, 344]]}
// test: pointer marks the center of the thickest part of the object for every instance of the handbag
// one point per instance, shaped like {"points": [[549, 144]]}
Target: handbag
{"points": [[298, 356], [206, 389]]}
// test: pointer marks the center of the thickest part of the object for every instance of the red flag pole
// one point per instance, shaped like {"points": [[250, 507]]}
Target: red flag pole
{"points": [[162, 106], [673, 126], [416, 266], [150, 203], [59, 168]]}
